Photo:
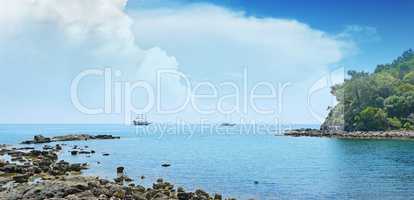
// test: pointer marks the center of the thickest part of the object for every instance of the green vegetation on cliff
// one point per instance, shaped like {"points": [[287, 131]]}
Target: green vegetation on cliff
{"points": [[383, 100]]}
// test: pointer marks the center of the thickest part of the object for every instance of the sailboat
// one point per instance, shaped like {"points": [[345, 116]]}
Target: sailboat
{"points": [[228, 123], [141, 120]]}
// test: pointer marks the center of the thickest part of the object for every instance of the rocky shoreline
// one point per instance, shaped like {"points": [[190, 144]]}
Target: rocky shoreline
{"points": [[39, 174], [40, 139], [355, 134]]}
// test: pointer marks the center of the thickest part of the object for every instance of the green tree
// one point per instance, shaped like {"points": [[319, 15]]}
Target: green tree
{"points": [[409, 78], [394, 123], [395, 105], [376, 101], [371, 119]]}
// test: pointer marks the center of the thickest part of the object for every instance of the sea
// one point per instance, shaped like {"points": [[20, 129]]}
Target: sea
{"points": [[243, 161]]}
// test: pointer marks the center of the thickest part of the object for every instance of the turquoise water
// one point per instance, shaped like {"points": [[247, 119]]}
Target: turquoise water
{"points": [[229, 160]]}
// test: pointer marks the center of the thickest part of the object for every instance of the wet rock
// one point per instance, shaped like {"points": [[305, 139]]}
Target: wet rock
{"points": [[217, 197], [84, 152], [184, 195], [77, 167], [180, 189], [119, 179], [120, 170], [202, 194], [162, 186], [37, 139], [71, 137], [47, 147]]}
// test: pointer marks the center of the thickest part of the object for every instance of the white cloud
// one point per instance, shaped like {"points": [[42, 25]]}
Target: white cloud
{"points": [[206, 37], [359, 34], [49, 42], [215, 43]]}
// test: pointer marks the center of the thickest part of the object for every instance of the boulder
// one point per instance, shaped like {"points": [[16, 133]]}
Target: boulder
{"points": [[21, 178], [120, 170], [41, 139]]}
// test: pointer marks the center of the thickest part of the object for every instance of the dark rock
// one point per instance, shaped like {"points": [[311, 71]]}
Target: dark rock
{"points": [[13, 168], [217, 197], [106, 137], [74, 153], [103, 181], [84, 152], [202, 194], [25, 148], [180, 189], [41, 139], [184, 195], [77, 167], [120, 170], [166, 165], [23, 178], [105, 154], [47, 147]]}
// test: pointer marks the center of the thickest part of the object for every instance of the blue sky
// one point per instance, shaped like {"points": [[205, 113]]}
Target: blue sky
{"points": [[291, 50]]}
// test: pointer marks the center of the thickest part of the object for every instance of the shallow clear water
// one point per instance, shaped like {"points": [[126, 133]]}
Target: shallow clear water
{"points": [[229, 160]]}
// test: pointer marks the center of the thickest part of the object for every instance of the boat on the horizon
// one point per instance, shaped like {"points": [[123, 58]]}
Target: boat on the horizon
{"points": [[141, 120], [227, 124]]}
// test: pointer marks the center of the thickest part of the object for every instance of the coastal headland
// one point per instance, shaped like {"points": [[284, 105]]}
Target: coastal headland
{"points": [[354, 134]]}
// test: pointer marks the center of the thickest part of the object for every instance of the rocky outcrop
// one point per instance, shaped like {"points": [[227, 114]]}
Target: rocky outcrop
{"points": [[355, 134], [39, 139], [94, 188], [61, 180]]}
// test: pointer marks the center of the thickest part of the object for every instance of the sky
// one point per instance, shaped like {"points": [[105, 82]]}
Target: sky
{"points": [[104, 61]]}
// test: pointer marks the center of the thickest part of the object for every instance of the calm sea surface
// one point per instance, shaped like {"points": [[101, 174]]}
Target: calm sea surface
{"points": [[229, 160]]}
